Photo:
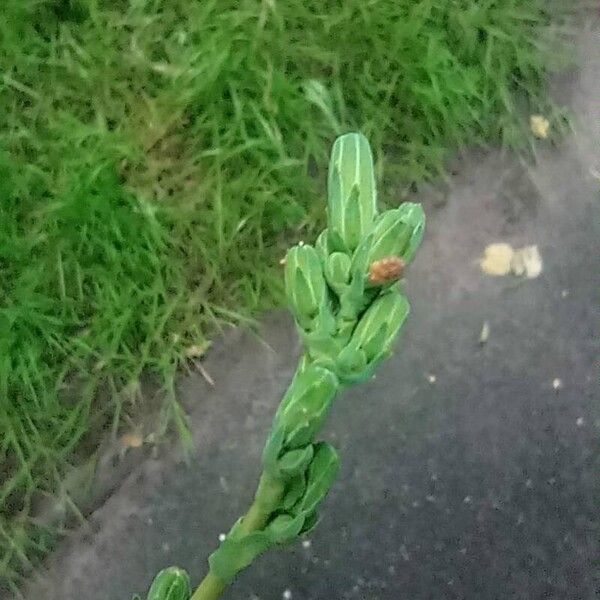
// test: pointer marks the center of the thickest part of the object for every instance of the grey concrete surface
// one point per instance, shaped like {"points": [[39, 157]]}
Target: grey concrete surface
{"points": [[480, 484]]}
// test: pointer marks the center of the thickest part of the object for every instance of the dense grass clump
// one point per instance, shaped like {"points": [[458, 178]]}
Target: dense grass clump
{"points": [[156, 157]]}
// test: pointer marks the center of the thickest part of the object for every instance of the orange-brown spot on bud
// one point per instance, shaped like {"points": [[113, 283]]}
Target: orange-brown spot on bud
{"points": [[386, 270]]}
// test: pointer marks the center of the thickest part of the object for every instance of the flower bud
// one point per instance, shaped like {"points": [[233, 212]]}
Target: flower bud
{"points": [[397, 232], [322, 246], [322, 471], [352, 201], [378, 327], [351, 364], [305, 406], [294, 462], [170, 584], [337, 271], [304, 283]]}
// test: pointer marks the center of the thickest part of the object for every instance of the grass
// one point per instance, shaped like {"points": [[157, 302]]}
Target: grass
{"points": [[156, 157]]}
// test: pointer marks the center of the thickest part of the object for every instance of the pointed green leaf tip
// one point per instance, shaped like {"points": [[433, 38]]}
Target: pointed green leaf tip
{"points": [[352, 199], [171, 583], [377, 329], [398, 232], [305, 286]]}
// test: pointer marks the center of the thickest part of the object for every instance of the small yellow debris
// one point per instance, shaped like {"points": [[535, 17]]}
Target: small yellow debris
{"points": [[485, 333], [540, 126], [195, 351], [500, 259], [132, 440], [527, 261], [496, 259]]}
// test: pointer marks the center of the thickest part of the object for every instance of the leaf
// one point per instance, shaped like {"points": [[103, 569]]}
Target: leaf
{"points": [[295, 462], [284, 528], [310, 522], [321, 473], [294, 492], [273, 449], [237, 551]]}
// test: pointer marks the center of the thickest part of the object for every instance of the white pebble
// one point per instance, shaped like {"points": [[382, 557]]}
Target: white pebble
{"points": [[557, 383], [467, 500], [431, 378], [580, 421], [564, 293], [306, 543], [222, 537], [287, 595]]}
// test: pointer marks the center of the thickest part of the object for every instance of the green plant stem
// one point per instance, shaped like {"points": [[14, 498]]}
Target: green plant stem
{"points": [[266, 500], [210, 588]]}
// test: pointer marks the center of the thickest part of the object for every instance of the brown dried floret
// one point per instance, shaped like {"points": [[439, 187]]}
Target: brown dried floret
{"points": [[386, 270]]}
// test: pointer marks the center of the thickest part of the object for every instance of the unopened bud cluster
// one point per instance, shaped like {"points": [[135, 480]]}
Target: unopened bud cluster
{"points": [[345, 297]]}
